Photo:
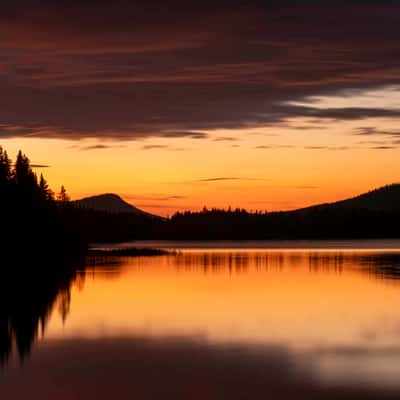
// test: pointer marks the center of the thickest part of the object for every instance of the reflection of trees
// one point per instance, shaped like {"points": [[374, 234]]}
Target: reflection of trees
{"points": [[28, 296], [385, 266], [30, 291], [26, 303], [380, 265]]}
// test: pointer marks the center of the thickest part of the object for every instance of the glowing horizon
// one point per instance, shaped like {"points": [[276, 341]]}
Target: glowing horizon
{"points": [[182, 111]]}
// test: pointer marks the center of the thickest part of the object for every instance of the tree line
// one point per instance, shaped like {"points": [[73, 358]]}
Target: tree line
{"points": [[19, 182], [34, 217], [337, 222], [32, 214]]}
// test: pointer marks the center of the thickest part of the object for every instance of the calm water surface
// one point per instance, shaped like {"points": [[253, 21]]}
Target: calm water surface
{"points": [[214, 323]]}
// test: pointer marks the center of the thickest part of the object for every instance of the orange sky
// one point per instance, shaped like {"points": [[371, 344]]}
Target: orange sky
{"points": [[258, 169], [189, 105]]}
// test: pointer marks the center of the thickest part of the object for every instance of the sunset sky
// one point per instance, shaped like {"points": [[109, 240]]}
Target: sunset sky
{"points": [[177, 105]]}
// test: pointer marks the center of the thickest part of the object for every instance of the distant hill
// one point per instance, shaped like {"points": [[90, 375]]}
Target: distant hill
{"points": [[384, 199], [375, 214], [111, 203]]}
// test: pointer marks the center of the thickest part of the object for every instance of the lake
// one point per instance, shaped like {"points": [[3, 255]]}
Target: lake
{"points": [[280, 320]]}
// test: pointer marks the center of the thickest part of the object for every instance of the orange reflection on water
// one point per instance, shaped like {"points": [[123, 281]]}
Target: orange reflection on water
{"points": [[302, 299]]}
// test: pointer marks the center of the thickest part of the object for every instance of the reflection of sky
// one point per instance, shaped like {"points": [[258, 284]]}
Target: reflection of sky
{"points": [[304, 300], [297, 323]]}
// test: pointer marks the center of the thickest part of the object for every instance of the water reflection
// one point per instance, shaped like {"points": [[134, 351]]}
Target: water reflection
{"points": [[376, 263], [26, 304], [385, 266], [127, 368], [207, 324]]}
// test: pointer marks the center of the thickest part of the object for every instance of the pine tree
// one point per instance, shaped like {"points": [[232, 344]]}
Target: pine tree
{"points": [[46, 192], [5, 167], [63, 197], [23, 174]]}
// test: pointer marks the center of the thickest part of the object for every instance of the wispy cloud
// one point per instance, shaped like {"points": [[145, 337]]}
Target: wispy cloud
{"points": [[310, 147], [275, 146], [383, 147], [36, 165], [225, 139], [375, 131], [99, 147], [154, 197], [40, 166], [228, 178], [217, 179], [163, 146], [332, 148], [155, 146]]}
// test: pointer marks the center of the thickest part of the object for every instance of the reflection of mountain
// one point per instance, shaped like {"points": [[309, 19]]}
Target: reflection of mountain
{"points": [[26, 303]]}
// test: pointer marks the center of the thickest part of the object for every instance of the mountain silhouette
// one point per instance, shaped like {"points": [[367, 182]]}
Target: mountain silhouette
{"points": [[383, 199], [108, 218], [110, 203]]}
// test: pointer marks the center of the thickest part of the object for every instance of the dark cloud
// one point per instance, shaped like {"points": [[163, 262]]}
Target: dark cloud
{"points": [[154, 146], [163, 146], [372, 131], [225, 139], [383, 147], [127, 71], [98, 147], [344, 113], [305, 127]]}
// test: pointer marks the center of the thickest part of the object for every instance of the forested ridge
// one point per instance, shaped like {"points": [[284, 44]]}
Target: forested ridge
{"points": [[36, 221], [375, 214]]}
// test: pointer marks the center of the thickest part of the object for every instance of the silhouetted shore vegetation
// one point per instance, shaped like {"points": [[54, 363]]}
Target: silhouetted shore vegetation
{"points": [[342, 220], [34, 217], [36, 220]]}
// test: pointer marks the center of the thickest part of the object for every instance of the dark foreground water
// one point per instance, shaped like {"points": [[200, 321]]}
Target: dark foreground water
{"points": [[215, 323]]}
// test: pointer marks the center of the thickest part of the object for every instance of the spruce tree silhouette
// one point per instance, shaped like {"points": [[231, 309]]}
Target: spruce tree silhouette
{"points": [[62, 196], [24, 177], [32, 219], [5, 167], [46, 192]]}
